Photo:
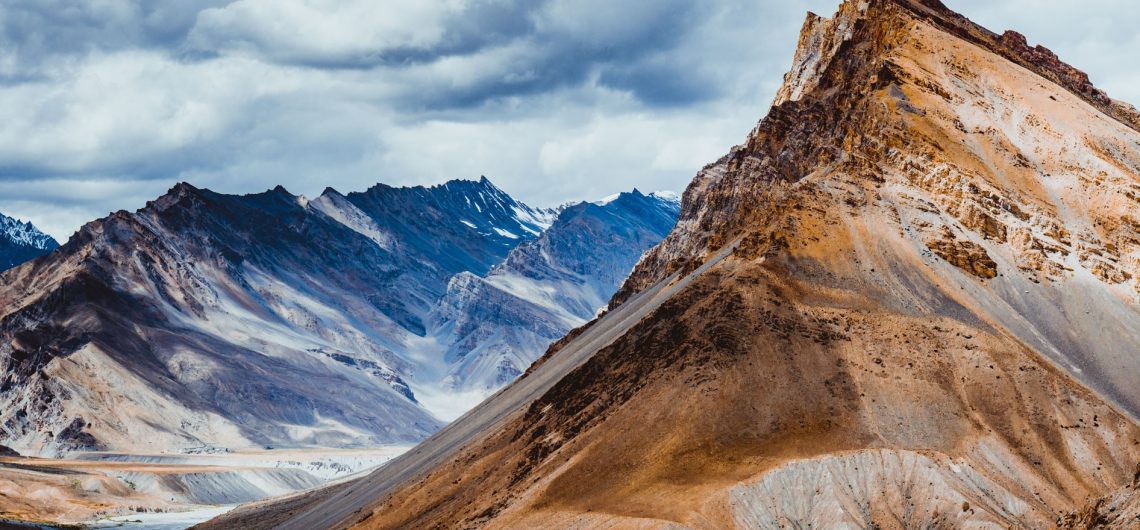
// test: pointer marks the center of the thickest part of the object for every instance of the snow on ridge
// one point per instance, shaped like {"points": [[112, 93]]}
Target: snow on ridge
{"points": [[24, 234], [482, 197], [336, 207], [538, 217], [607, 199]]}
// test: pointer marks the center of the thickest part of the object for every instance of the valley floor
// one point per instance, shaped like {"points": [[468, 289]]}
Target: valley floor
{"points": [[165, 491]]}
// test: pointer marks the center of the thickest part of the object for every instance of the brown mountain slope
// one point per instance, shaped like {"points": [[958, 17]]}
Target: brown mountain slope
{"points": [[1118, 509], [916, 307]]}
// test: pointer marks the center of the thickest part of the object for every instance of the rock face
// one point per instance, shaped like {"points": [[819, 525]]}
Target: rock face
{"points": [[908, 300], [20, 242]]}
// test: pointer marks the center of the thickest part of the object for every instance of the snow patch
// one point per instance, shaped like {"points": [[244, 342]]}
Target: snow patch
{"points": [[339, 209], [505, 233], [541, 218], [607, 199]]}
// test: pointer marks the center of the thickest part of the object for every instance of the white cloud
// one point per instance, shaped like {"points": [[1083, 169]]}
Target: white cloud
{"points": [[321, 31], [120, 109]]}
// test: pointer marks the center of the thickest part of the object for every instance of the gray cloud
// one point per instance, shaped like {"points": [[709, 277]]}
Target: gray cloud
{"points": [[33, 31], [104, 105], [518, 47]]}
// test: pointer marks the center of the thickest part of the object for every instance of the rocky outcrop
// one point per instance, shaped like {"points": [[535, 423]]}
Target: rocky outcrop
{"points": [[965, 255], [1015, 47], [1043, 59]]}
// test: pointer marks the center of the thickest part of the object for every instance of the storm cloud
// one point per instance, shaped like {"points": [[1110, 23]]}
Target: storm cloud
{"points": [[105, 104]]}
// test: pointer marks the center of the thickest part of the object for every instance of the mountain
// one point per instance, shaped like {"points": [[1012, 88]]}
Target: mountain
{"points": [[233, 321], [459, 226], [207, 321], [908, 300], [20, 242], [493, 327]]}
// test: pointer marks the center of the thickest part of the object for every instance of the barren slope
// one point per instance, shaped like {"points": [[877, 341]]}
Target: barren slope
{"points": [[918, 308]]}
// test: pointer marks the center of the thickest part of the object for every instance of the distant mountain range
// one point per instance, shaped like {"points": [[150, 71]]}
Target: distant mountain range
{"points": [[20, 242], [207, 321], [494, 326]]}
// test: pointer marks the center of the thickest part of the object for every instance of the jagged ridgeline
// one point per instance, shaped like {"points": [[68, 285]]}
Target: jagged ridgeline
{"points": [[207, 321], [21, 242], [908, 300]]}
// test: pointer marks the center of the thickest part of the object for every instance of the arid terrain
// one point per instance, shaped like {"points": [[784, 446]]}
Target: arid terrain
{"points": [[908, 300]]}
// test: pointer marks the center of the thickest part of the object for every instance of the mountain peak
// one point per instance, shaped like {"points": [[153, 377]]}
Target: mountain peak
{"points": [[21, 241], [175, 195], [483, 183], [821, 38], [182, 187]]}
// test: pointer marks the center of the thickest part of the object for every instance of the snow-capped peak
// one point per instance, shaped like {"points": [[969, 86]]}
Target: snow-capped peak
{"points": [[24, 234]]}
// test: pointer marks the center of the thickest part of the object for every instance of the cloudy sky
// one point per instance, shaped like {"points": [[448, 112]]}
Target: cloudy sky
{"points": [[105, 104]]}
